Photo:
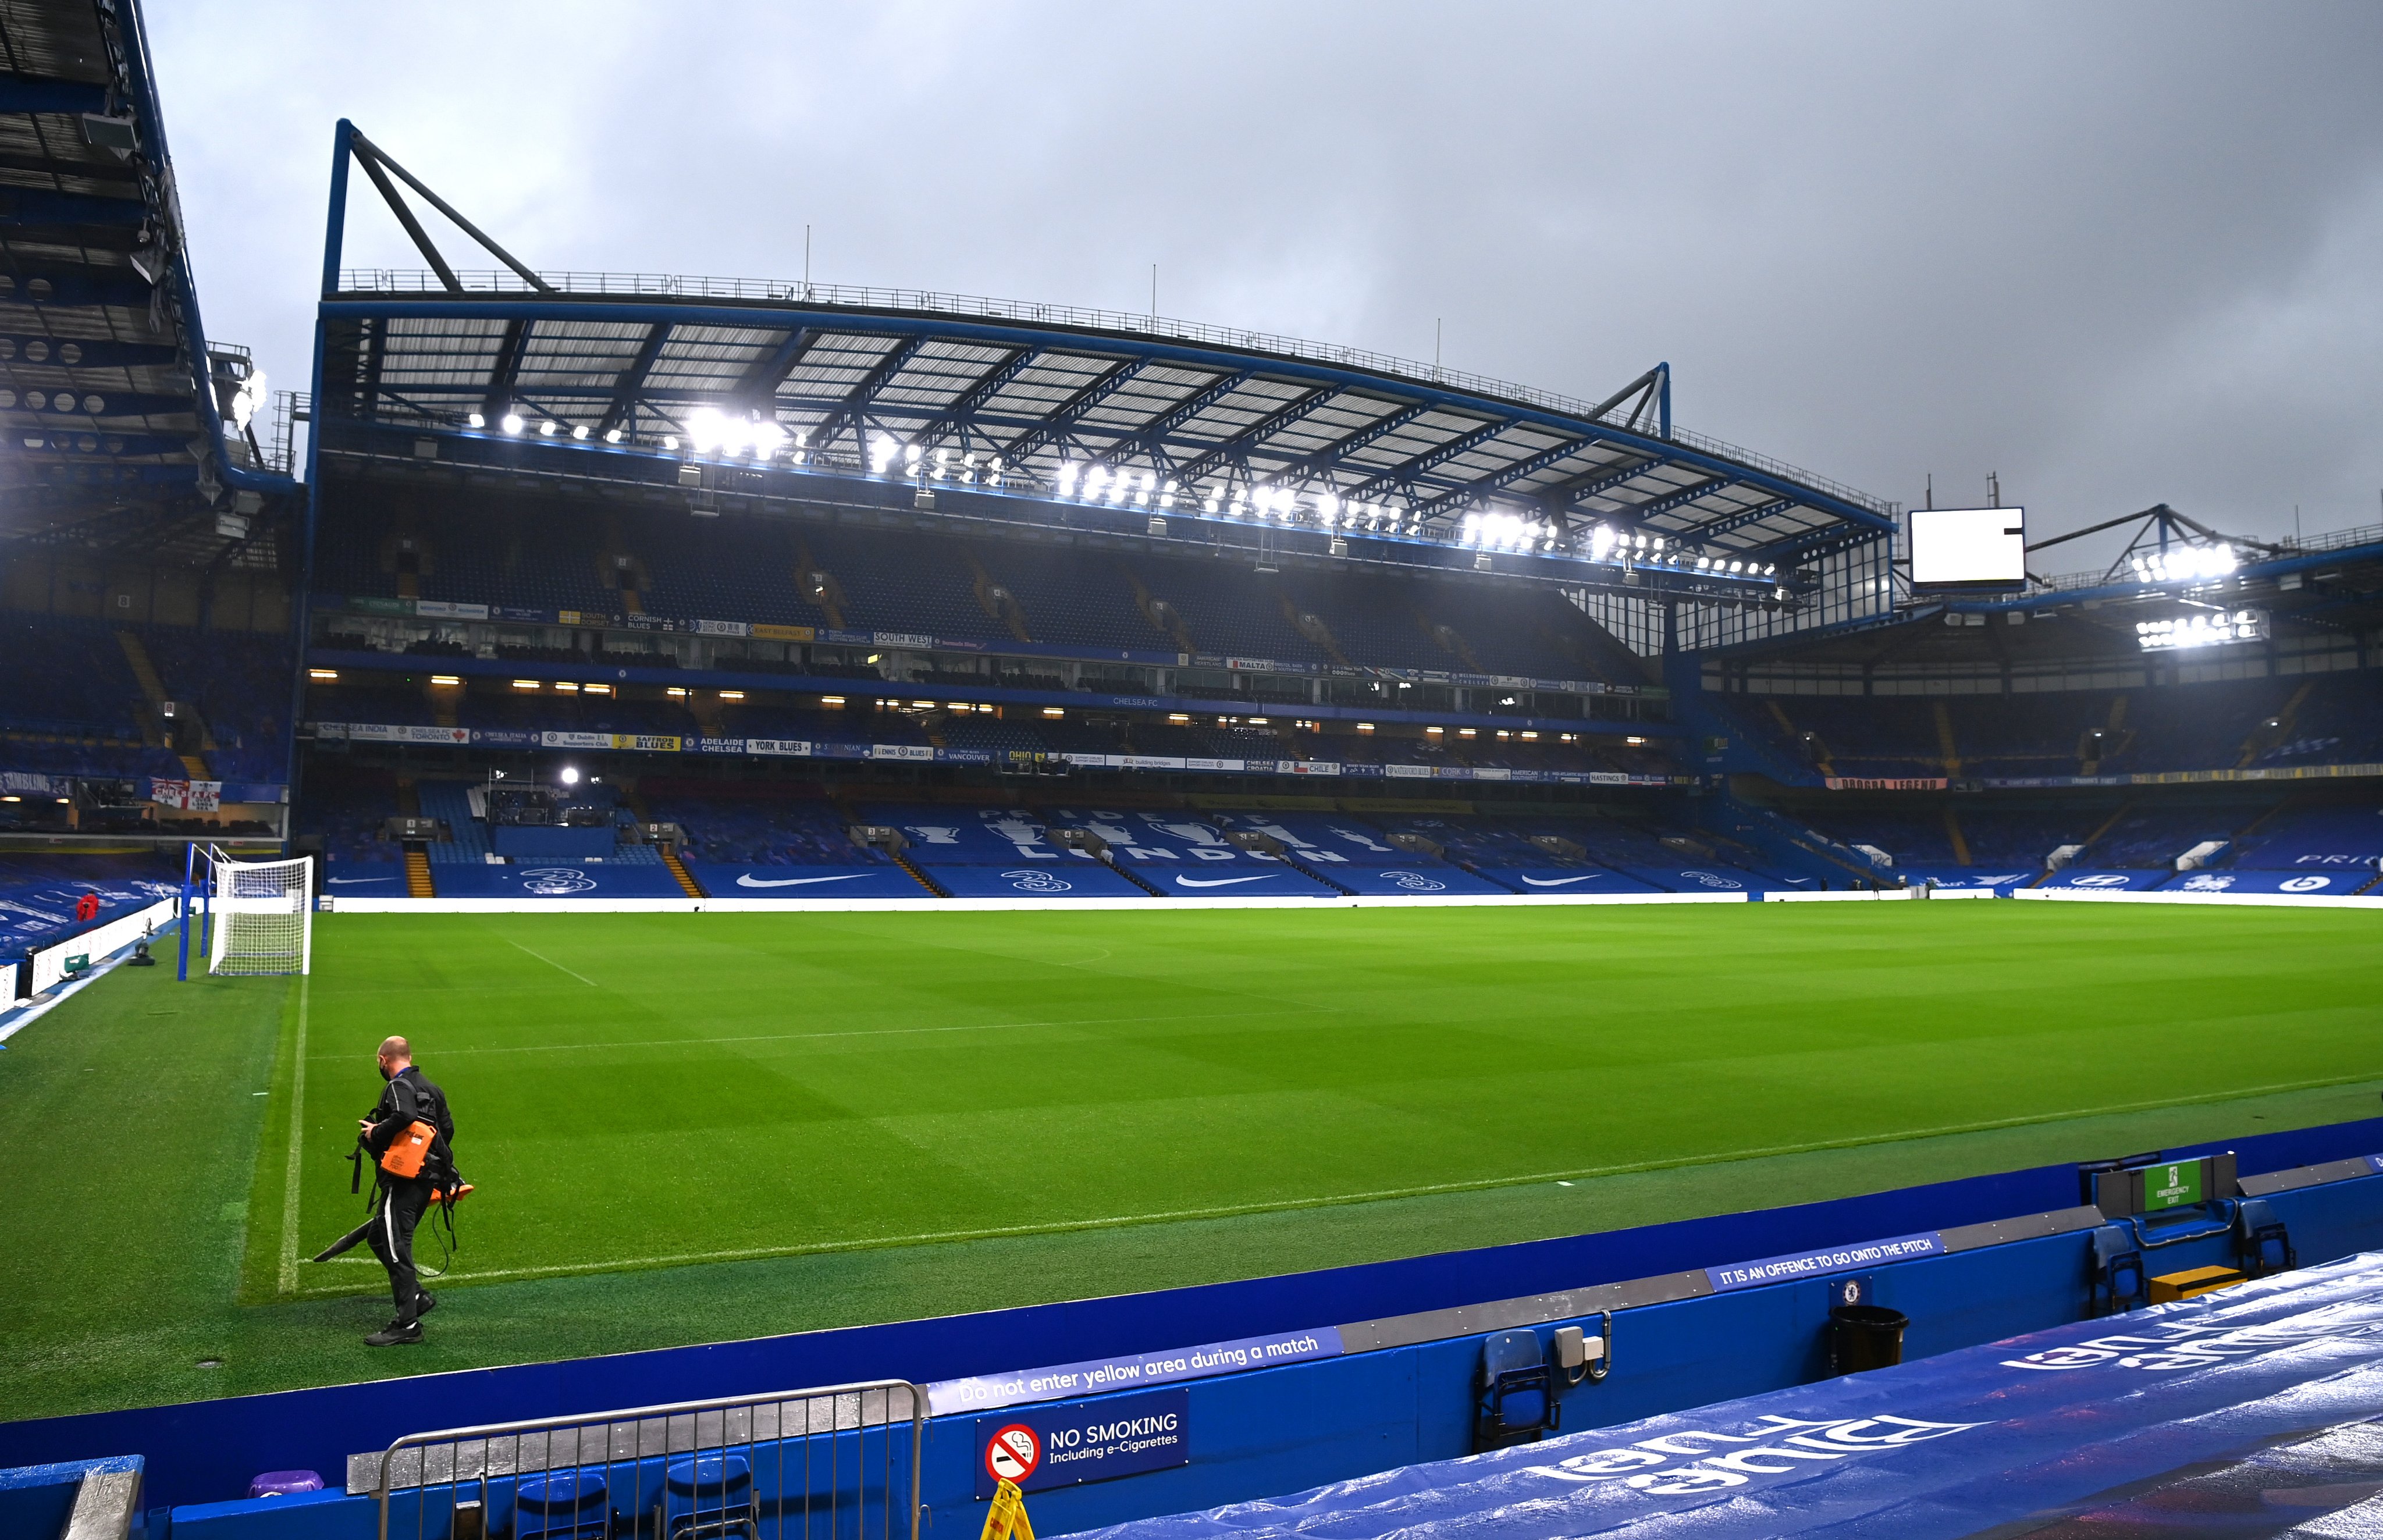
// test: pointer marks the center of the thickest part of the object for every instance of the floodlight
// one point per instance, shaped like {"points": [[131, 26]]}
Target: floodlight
{"points": [[910, 455], [546, 429], [570, 776], [611, 435], [1737, 566], [669, 441], [1209, 506], [580, 431], [477, 419], [446, 679], [1148, 481], [512, 423], [1094, 479]]}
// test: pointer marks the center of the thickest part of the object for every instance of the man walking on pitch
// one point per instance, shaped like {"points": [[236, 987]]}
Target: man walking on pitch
{"points": [[409, 1137]]}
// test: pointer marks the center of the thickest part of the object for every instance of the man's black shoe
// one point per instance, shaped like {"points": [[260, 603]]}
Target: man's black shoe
{"points": [[395, 1334], [423, 1304]]}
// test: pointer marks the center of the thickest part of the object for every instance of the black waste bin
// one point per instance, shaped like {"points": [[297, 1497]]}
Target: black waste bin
{"points": [[1865, 1337]]}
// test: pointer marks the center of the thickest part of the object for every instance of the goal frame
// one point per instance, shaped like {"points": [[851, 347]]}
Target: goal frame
{"points": [[210, 907]]}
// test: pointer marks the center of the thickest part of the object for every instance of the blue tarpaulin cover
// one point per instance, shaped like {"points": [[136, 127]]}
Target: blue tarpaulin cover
{"points": [[2250, 1411]]}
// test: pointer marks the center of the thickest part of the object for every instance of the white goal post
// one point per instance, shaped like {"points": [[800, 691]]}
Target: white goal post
{"points": [[259, 915]]}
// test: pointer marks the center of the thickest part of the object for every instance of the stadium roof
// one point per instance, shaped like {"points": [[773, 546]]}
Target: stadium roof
{"points": [[1040, 400], [109, 418], [2326, 586]]}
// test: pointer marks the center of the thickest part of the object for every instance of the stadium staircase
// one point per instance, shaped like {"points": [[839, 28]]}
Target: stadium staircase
{"points": [[1448, 640], [818, 585], [1946, 747], [1163, 618], [920, 877], [708, 712], [1778, 715], [679, 874], [1310, 625], [418, 852], [997, 603], [154, 726], [2264, 737], [1954, 837], [2114, 738]]}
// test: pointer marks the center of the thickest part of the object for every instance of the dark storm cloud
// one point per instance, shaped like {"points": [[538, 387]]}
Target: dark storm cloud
{"points": [[2120, 253]]}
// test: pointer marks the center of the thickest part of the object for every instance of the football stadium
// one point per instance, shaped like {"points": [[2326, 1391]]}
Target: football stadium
{"points": [[1047, 920]]}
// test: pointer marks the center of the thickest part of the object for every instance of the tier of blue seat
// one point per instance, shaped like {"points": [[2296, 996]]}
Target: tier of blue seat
{"points": [[2331, 718], [937, 585]]}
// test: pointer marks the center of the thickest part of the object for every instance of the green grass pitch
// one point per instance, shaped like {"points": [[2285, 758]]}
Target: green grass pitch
{"points": [[695, 1127]]}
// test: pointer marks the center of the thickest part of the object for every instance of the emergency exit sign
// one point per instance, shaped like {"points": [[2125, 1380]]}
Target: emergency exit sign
{"points": [[2174, 1186]]}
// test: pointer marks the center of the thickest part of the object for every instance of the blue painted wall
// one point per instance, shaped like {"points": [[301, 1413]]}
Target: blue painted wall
{"points": [[207, 1451]]}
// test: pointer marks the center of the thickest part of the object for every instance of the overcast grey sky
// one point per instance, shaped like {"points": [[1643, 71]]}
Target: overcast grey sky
{"points": [[2120, 253]]}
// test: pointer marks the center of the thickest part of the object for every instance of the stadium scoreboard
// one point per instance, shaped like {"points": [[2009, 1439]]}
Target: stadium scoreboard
{"points": [[1969, 549]]}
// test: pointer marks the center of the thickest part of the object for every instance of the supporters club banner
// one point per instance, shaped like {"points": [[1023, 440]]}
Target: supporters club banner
{"points": [[2125, 1426], [196, 797]]}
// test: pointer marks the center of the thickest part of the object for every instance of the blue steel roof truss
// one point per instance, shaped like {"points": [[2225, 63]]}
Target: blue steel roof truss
{"points": [[1212, 423]]}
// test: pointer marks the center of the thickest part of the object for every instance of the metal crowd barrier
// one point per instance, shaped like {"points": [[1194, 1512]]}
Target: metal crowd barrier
{"points": [[821, 1464]]}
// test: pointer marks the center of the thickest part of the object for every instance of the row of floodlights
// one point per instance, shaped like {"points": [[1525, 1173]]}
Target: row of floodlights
{"points": [[711, 431], [2186, 563], [2201, 629]]}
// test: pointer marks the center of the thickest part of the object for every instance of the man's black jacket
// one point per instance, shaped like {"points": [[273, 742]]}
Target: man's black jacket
{"points": [[410, 1095]]}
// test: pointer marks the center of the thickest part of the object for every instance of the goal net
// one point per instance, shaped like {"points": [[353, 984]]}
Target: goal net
{"points": [[260, 914]]}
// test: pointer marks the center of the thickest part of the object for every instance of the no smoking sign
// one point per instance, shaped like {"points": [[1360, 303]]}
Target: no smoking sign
{"points": [[1012, 1453]]}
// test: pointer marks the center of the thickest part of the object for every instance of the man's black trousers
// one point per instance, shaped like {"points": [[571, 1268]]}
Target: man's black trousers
{"points": [[400, 1208]]}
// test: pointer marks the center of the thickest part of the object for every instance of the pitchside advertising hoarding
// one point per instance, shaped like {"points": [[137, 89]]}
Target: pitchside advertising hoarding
{"points": [[1118, 1435]]}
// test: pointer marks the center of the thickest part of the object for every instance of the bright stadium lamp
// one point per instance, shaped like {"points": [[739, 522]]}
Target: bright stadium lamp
{"points": [[669, 441], [569, 776], [477, 419], [1068, 471], [580, 431], [512, 423], [546, 429], [611, 435]]}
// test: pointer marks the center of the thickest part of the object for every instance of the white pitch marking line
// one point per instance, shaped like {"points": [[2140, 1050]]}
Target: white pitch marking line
{"points": [[1337, 1200], [288, 1282], [551, 963]]}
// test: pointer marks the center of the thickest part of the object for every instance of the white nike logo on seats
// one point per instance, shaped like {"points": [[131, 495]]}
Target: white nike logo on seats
{"points": [[1218, 882], [747, 880]]}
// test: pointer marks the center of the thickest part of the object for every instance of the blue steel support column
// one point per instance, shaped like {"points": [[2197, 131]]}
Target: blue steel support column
{"points": [[1665, 428], [302, 606]]}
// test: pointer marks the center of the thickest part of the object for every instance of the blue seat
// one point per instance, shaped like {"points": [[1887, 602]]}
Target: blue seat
{"points": [[710, 1495], [2261, 1241], [1517, 1392], [562, 1505], [2118, 1279]]}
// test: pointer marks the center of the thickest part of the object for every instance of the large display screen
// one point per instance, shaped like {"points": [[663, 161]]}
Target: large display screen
{"points": [[1969, 547]]}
